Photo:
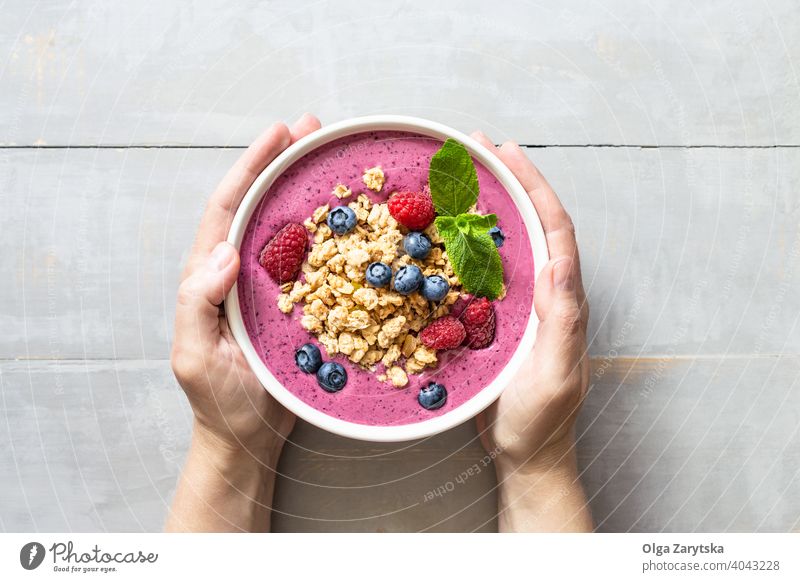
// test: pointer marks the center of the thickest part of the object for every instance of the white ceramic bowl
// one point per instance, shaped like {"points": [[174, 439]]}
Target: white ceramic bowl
{"points": [[325, 135]]}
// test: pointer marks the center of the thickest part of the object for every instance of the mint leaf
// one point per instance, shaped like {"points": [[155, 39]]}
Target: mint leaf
{"points": [[473, 255], [453, 179], [475, 223], [445, 223]]}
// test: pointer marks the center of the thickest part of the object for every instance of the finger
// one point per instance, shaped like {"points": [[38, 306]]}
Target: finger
{"points": [[226, 198], [555, 219], [303, 126], [482, 139], [561, 335], [544, 295], [544, 292], [200, 295], [560, 241], [557, 225]]}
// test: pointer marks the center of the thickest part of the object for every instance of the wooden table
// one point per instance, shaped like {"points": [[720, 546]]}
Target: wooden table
{"points": [[670, 129]]}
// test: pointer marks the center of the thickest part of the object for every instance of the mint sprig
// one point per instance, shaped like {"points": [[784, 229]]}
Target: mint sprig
{"points": [[454, 190], [473, 255]]}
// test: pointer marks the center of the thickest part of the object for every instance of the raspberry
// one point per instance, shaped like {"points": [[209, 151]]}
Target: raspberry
{"points": [[283, 254], [457, 308], [479, 323], [445, 333], [414, 210]]}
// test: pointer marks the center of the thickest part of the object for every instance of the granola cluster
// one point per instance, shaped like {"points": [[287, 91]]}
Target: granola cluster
{"points": [[374, 178], [368, 325]]}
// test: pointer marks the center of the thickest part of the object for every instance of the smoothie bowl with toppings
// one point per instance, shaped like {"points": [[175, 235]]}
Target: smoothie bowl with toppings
{"points": [[386, 287]]}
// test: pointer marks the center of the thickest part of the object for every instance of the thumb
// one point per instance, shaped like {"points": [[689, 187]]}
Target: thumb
{"points": [[202, 292], [556, 301]]}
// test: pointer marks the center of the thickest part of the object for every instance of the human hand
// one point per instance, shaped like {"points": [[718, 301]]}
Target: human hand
{"points": [[232, 410], [531, 426]]}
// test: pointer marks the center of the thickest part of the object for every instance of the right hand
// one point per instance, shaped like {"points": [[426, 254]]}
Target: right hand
{"points": [[531, 425]]}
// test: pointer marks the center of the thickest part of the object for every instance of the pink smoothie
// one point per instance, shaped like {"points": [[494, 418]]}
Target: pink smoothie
{"points": [[306, 185]]}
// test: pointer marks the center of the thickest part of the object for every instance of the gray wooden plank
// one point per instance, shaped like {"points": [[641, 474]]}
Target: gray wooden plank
{"points": [[685, 251], [693, 444], [673, 444], [98, 446], [90, 446], [577, 72], [335, 484]]}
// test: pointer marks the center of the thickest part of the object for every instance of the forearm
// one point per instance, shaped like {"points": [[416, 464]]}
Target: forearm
{"points": [[542, 497], [223, 489]]}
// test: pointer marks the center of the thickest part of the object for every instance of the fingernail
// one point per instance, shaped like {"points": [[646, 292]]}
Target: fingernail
{"points": [[221, 256], [563, 278]]}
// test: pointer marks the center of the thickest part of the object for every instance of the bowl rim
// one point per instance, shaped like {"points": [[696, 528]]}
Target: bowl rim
{"points": [[319, 138]]}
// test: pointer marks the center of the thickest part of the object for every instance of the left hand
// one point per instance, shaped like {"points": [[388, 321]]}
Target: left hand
{"points": [[232, 410]]}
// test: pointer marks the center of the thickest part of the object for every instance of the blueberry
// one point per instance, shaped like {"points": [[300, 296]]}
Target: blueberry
{"points": [[432, 396], [332, 377], [434, 288], [308, 358], [497, 236], [379, 274], [342, 219], [417, 245], [407, 279]]}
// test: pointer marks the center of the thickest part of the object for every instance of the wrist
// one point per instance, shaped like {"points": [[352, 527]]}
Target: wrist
{"points": [[542, 493], [557, 459], [229, 456], [237, 481]]}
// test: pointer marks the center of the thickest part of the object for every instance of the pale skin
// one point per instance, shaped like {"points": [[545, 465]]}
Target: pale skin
{"points": [[531, 427], [228, 480], [238, 430]]}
